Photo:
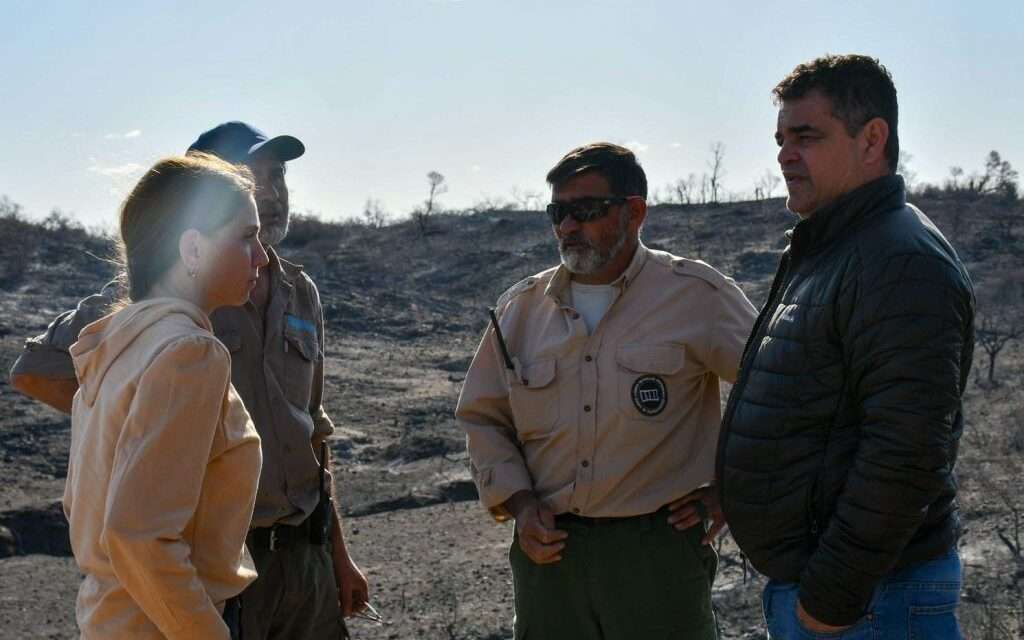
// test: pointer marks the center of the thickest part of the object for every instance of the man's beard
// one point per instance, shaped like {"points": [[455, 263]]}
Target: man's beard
{"points": [[272, 233], [592, 258]]}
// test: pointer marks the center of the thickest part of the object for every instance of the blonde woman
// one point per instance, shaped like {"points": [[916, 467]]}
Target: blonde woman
{"points": [[164, 460]]}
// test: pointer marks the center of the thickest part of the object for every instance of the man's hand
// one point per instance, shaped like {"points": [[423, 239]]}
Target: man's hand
{"points": [[353, 590], [686, 513], [538, 538], [811, 624]]}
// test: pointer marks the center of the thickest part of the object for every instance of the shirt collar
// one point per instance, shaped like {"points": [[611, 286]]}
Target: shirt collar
{"points": [[281, 269]]}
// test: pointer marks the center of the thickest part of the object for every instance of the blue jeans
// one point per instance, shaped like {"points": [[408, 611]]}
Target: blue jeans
{"points": [[918, 603]]}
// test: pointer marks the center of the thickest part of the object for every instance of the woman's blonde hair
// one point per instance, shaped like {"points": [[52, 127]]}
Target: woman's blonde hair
{"points": [[196, 191]]}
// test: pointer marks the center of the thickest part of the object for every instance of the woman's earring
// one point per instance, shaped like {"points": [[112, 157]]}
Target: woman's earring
{"points": [[193, 272]]}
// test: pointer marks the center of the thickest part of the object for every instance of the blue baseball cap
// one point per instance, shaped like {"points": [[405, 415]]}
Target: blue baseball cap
{"points": [[237, 142]]}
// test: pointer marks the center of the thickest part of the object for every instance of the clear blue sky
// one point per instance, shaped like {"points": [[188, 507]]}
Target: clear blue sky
{"points": [[488, 92]]}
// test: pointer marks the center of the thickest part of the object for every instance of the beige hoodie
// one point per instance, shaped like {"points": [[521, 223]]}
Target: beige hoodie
{"points": [[162, 475]]}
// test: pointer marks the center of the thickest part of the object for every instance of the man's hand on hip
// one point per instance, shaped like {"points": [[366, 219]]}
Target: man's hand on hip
{"points": [[538, 538], [689, 511]]}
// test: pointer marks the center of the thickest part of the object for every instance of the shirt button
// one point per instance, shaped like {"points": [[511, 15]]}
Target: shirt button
{"points": [[588, 358], [585, 464], [586, 407]]}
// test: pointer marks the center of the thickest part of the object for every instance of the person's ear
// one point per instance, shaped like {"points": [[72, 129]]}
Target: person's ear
{"points": [[874, 136], [190, 249], [637, 211]]}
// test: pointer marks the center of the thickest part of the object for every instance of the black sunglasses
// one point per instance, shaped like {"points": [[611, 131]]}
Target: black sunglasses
{"points": [[583, 209]]}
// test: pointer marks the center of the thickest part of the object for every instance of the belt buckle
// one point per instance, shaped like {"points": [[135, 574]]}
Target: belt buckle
{"points": [[273, 538]]}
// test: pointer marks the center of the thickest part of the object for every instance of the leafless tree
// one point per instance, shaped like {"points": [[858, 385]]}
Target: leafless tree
{"points": [[656, 196], [994, 330], [717, 166], [995, 485], [491, 203], [437, 187], [766, 185], [1012, 540], [9, 209], [374, 215], [527, 200], [684, 189], [953, 183], [422, 214], [1000, 178], [57, 220], [903, 168]]}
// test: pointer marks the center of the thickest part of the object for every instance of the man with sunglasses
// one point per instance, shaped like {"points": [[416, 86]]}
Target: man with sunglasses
{"points": [[591, 411]]}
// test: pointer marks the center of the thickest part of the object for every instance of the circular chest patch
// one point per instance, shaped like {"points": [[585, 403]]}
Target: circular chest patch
{"points": [[650, 395]]}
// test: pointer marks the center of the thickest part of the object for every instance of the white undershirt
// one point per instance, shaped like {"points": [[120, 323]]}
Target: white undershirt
{"points": [[592, 301]]}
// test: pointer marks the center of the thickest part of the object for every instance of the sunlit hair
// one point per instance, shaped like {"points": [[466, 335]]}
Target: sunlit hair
{"points": [[198, 191], [618, 165], [860, 88]]}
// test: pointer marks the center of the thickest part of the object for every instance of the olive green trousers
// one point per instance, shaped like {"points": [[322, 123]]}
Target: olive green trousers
{"points": [[628, 579], [295, 596]]}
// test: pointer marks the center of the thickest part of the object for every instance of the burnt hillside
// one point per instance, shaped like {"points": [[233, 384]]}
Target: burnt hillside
{"points": [[404, 312]]}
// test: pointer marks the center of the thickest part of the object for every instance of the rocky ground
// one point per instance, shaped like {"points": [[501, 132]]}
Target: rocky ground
{"points": [[404, 314]]}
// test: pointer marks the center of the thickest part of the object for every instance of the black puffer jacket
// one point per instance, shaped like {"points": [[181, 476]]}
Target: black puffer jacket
{"points": [[835, 460]]}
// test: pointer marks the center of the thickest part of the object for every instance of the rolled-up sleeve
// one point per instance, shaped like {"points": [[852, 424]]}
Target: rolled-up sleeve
{"points": [[46, 355], [485, 414], [156, 483]]}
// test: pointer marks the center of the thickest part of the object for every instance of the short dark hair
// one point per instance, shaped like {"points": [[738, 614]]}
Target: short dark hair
{"points": [[198, 191], [860, 89], [618, 165]]}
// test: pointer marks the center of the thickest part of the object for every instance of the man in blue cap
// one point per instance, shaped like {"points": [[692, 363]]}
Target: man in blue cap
{"points": [[307, 580]]}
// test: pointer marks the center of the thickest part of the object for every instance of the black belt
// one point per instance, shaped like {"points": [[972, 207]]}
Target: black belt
{"points": [[596, 522], [278, 536]]}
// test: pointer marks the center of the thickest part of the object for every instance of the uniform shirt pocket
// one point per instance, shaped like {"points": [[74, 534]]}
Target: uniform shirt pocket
{"points": [[650, 379], [534, 399], [301, 354]]}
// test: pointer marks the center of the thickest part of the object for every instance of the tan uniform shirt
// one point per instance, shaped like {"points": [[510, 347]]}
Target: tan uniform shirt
{"points": [[276, 366], [615, 423], [162, 476]]}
